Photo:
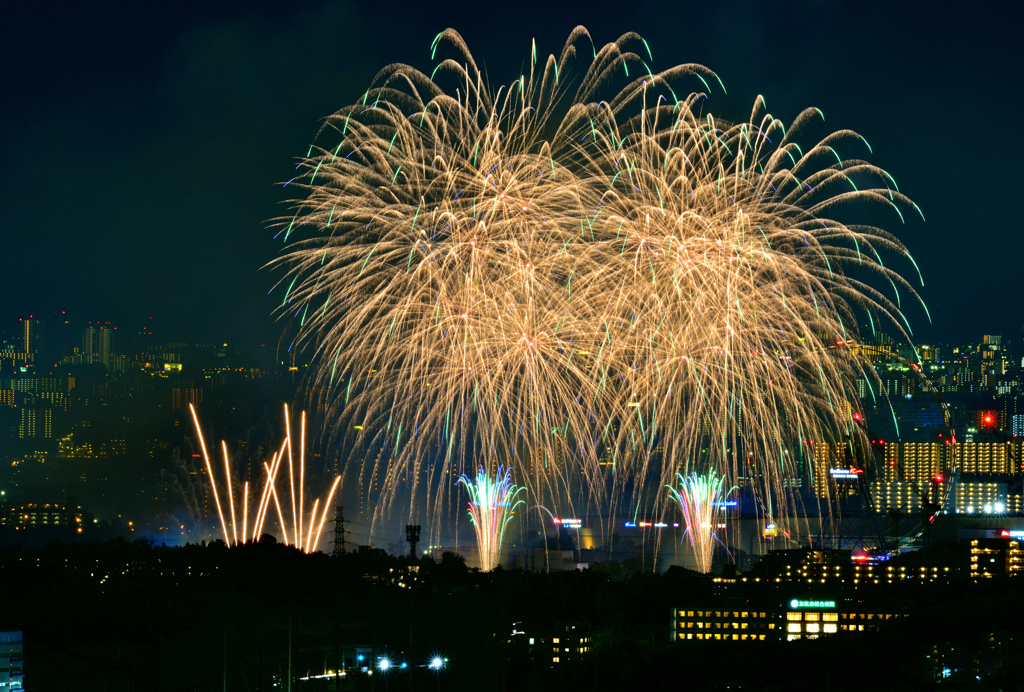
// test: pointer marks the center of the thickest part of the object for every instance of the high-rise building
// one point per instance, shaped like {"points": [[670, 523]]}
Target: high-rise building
{"points": [[29, 333], [96, 344], [36, 423], [914, 461], [892, 496], [985, 457]]}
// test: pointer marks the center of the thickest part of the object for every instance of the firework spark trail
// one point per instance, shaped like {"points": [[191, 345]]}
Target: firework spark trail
{"points": [[291, 536], [539, 274], [492, 502], [701, 499]]}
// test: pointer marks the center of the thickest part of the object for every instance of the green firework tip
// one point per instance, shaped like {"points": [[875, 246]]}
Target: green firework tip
{"points": [[920, 278]]}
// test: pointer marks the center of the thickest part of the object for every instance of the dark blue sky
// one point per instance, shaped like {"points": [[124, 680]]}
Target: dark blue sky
{"points": [[144, 142]]}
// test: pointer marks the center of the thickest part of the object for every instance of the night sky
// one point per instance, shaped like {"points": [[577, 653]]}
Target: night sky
{"points": [[144, 143]]}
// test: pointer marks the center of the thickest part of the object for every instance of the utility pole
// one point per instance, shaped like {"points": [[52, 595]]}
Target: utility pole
{"points": [[412, 535], [339, 663], [339, 532]]}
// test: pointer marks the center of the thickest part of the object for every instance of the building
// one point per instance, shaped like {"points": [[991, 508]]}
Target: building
{"points": [[997, 557], [550, 646], [985, 457], [810, 619], [35, 423], [33, 514], [728, 619], [12, 661], [804, 565], [890, 496], [757, 620]]}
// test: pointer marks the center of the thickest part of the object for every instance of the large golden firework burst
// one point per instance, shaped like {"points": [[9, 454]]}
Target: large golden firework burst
{"points": [[594, 292]]}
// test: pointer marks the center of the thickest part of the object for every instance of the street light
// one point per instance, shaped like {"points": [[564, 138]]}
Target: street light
{"points": [[384, 665], [437, 664]]}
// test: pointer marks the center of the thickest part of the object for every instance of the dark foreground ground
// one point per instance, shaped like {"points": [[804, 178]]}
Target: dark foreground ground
{"points": [[131, 616]]}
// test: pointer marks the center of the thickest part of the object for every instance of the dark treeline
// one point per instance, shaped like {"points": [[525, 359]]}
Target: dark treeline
{"points": [[133, 616]]}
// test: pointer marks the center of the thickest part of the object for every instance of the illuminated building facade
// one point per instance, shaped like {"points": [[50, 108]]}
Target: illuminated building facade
{"points": [[985, 457], [997, 557], [981, 497], [728, 619], [810, 619], [752, 620], [33, 514], [805, 565], [12, 661], [833, 476], [914, 461], [551, 646], [35, 423]]}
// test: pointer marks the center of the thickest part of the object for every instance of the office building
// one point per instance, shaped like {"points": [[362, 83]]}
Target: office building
{"points": [[757, 620]]}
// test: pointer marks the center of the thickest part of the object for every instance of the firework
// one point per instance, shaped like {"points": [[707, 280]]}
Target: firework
{"points": [[492, 502], [598, 289], [702, 501], [305, 537]]}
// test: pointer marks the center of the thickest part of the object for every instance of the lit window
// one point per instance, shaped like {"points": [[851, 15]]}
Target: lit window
{"points": [[812, 617], [793, 628], [830, 617], [829, 629], [814, 628], [793, 617]]}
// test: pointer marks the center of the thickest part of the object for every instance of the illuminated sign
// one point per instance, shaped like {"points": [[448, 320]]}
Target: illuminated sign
{"points": [[811, 604], [1005, 533], [770, 531], [726, 503], [845, 474], [172, 367], [568, 523]]}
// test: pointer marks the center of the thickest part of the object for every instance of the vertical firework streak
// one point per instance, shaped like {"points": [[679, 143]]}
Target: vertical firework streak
{"points": [[492, 502], [701, 499], [307, 537], [598, 289]]}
